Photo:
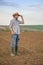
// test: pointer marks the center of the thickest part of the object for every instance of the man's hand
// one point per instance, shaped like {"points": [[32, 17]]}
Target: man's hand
{"points": [[12, 32], [21, 16]]}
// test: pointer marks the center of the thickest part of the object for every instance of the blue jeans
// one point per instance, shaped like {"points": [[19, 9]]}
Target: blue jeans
{"points": [[14, 42]]}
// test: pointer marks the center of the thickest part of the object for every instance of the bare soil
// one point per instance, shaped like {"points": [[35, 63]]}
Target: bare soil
{"points": [[30, 49]]}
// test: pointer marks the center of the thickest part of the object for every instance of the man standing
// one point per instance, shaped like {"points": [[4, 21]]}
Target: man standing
{"points": [[15, 32]]}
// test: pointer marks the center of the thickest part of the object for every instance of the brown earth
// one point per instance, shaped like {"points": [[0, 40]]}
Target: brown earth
{"points": [[30, 49]]}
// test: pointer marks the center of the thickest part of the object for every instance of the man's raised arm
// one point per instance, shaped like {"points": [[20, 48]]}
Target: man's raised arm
{"points": [[22, 22]]}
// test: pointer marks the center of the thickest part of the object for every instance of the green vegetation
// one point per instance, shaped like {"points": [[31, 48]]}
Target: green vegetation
{"points": [[34, 26], [26, 28]]}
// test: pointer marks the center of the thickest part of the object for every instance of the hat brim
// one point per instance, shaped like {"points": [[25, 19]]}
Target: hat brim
{"points": [[16, 14]]}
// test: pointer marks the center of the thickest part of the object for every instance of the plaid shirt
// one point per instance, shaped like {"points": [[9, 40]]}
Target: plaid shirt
{"points": [[15, 24]]}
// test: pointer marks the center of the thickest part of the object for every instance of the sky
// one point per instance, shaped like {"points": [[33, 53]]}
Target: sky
{"points": [[32, 11]]}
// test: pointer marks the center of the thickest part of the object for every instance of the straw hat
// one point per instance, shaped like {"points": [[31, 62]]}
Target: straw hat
{"points": [[16, 14]]}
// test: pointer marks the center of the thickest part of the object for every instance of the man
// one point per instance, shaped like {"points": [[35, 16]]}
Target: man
{"points": [[15, 32]]}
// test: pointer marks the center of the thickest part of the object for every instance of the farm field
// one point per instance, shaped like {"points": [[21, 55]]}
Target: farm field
{"points": [[24, 28], [30, 49]]}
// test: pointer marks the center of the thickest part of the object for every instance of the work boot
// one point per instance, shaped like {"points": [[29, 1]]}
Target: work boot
{"points": [[16, 50]]}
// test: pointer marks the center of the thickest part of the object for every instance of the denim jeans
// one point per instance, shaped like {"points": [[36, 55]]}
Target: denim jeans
{"points": [[14, 42]]}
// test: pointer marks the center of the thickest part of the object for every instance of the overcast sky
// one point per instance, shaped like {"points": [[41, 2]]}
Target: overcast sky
{"points": [[32, 11]]}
